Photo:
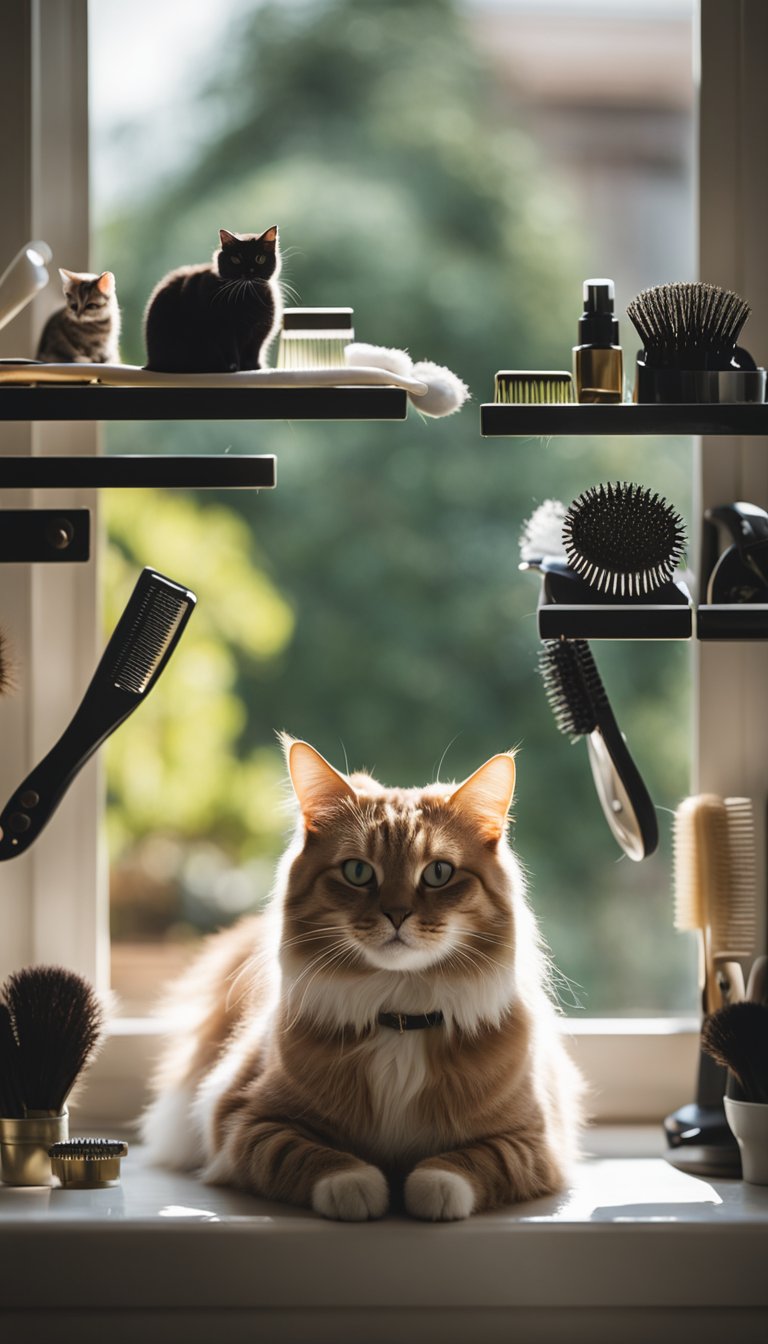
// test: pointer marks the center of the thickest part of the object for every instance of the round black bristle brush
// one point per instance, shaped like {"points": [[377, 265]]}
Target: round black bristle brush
{"points": [[581, 708], [688, 326], [623, 539], [51, 1022]]}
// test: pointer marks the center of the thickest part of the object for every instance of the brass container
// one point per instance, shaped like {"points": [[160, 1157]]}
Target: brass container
{"points": [[87, 1164], [598, 373], [24, 1145]]}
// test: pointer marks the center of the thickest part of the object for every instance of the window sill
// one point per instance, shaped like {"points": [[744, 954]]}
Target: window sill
{"points": [[637, 1069], [634, 1250]]}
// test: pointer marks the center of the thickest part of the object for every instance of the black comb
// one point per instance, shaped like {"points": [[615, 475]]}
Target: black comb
{"points": [[143, 641]]}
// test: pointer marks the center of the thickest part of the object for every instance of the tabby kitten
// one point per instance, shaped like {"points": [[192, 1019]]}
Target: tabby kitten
{"points": [[385, 1028], [221, 316], [87, 329]]}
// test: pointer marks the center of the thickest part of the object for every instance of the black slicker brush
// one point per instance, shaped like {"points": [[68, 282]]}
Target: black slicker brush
{"points": [[51, 1022], [623, 539], [737, 1036]]}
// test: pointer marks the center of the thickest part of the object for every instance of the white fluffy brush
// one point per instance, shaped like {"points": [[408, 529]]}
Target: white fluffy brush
{"points": [[445, 394]]}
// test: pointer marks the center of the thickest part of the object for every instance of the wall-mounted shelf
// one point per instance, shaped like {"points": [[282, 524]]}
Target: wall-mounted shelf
{"points": [[224, 471], [723, 622], [560, 620], [58, 401], [627, 418]]}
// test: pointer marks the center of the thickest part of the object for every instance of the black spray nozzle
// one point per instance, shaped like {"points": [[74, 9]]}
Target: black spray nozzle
{"points": [[597, 324]]}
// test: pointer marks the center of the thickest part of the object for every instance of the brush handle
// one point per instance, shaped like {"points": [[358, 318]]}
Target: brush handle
{"points": [[34, 802], [625, 800]]}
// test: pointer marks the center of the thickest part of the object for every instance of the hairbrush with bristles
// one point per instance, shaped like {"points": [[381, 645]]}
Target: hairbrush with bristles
{"points": [[87, 1164], [143, 640], [688, 325], [623, 539], [581, 708]]}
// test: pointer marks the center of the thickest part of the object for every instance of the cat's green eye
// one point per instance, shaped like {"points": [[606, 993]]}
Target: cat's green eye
{"points": [[357, 872], [436, 874], [235, 261], [260, 260]]}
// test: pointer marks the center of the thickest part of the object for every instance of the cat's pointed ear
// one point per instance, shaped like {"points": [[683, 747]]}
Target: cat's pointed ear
{"points": [[106, 283], [270, 236], [316, 784], [226, 238], [67, 276], [485, 797]]}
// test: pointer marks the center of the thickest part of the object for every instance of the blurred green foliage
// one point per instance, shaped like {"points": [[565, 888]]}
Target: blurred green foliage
{"points": [[372, 604]]}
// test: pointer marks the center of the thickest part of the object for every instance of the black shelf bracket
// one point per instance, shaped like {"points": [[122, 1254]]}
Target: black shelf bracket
{"points": [[238, 471], [48, 536]]}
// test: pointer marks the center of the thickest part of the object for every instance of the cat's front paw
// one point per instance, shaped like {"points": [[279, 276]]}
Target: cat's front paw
{"points": [[352, 1196], [438, 1196]]}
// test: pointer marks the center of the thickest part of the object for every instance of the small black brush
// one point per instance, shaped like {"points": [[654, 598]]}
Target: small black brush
{"points": [[623, 539], [688, 326], [737, 1036], [51, 1022], [56, 1020], [581, 708], [141, 644]]}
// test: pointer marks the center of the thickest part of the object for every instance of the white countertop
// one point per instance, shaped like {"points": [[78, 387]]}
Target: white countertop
{"points": [[631, 1234]]}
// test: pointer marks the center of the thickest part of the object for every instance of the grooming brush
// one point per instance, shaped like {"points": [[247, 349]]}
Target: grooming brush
{"points": [[314, 338], [581, 709], [523, 387], [715, 894], [737, 1038], [757, 986], [87, 1164], [690, 352], [143, 641], [541, 549], [623, 540], [50, 1026]]}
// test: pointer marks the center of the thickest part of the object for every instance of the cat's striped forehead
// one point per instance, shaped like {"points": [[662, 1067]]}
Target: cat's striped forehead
{"points": [[398, 825]]}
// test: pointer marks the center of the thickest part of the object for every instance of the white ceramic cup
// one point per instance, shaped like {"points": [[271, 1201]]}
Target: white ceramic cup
{"points": [[748, 1121]]}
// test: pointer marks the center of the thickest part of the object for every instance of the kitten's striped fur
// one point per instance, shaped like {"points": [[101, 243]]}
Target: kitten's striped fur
{"points": [[87, 329], [283, 1083]]}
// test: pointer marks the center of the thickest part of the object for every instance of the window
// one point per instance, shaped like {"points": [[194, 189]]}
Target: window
{"points": [[458, 208], [51, 900]]}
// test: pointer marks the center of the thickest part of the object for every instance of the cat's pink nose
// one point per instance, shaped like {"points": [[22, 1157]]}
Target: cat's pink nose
{"points": [[397, 916]]}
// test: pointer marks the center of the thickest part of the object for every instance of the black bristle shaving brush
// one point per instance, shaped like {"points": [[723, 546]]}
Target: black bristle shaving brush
{"points": [[51, 1022], [623, 539], [737, 1036]]}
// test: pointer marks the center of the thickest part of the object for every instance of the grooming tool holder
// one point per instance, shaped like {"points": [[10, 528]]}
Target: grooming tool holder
{"points": [[24, 1144], [626, 418]]}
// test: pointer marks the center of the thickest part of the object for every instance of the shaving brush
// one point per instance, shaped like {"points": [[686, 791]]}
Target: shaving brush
{"points": [[737, 1036], [51, 1021]]}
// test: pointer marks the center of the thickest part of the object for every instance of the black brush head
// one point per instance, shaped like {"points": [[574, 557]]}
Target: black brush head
{"points": [[147, 632], [94, 1148], [11, 1091], [737, 1036], [688, 326], [572, 685], [57, 1020], [623, 539]]}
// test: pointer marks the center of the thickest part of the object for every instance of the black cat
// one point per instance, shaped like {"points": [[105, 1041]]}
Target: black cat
{"points": [[218, 317]]}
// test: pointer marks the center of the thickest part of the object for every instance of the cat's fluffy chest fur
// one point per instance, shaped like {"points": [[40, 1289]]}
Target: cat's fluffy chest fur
{"points": [[297, 1092]]}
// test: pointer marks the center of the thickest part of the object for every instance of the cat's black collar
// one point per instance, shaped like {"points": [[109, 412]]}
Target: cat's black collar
{"points": [[410, 1021]]}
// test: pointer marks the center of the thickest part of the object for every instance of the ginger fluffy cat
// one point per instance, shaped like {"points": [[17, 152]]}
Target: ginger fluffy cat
{"points": [[385, 1028]]}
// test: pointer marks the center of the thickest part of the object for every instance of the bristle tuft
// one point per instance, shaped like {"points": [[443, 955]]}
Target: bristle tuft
{"points": [[542, 533], [701, 854], [734, 920], [623, 539], [737, 1037], [688, 325], [57, 1021], [572, 685]]}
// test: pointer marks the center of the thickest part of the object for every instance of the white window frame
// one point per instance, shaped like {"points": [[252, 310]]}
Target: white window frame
{"points": [[53, 901]]}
